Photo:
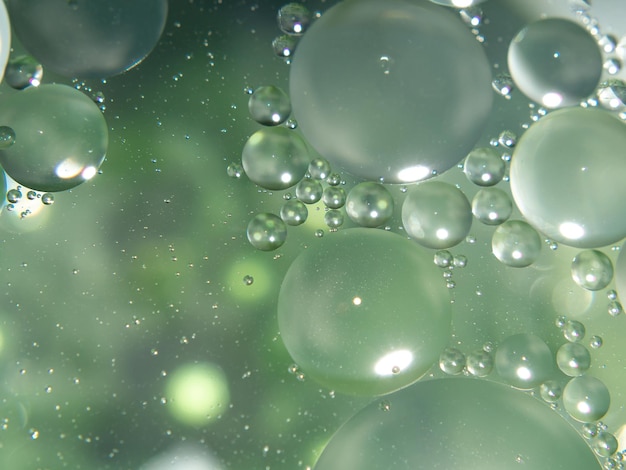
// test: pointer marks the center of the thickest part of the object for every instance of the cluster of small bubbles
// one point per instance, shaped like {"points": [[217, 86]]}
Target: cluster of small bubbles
{"points": [[234, 170], [515, 243], [369, 204], [592, 270], [596, 342], [309, 191], [480, 363], [284, 46], [294, 212], [484, 167], [507, 138], [524, 361], [550, 391], [452, 361], [443, 258], [459, 261], [573, 331], [385, 405], [612, 66], [13, 195], [7, 137], [333, 218], [23, 71], [573, 359], [612, 94], [248, 280], [604, 444], [266, 232], [472, 16], [269, 105], [275, 158], [319, 168], [334, 179], [586, 398], [293, 19], [492, 206], [615, 308], [437, 215], [334, 197], [503, 85]]}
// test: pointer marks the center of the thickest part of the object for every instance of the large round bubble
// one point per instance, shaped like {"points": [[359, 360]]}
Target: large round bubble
{"points": [[347, 321], [567, 177], [61, 137], [524, 361], [88, 39], [555, 62], [516, 244], [457, 423], [437, 215], [394, 89], [586, 398]]}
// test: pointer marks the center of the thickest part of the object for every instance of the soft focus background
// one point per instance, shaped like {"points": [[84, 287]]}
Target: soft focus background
{"points": [[133, 283]]}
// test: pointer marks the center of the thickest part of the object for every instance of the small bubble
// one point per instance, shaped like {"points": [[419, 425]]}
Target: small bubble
{"points": [[34, 433], [31, 195], [14, 195], [385, 405], [573, 331], [47, 199], [615, 308], [612, 66], [508, 139], [472, 16], [450, 284], [293, 19], [292, 368], [460, 261], [560, 321], [284, 46], [234, 170], [596, 342], [480, 363], [503, 85], [611, 294], [443, 258], [48, 389], [319, 233], [248, 280]]}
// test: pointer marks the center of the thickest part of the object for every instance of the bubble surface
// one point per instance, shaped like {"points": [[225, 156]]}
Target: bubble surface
{"points": [[269, 105], [266, 232], [573, 359], [516, 244], [492, 206], [294, 212], [346, 320], [457, 423], [275, 158], [61, 137], [524, 361], [567, 177], [592, 270], [555, 62], [484, 166], [88, 39], [369, 204], [352, 71], [437, 215], [586, 398]]}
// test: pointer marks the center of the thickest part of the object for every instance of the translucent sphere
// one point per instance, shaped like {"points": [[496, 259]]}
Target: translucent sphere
{"points": [[555, 62], [369, 204], [586, 398], [567, 177], [492, 206], [269, 105], [7, 137], [333, 218], [347, 321], [266, 232], [88, 39], [484, 166], [457, 423], [592, 270], [437, 215], [61, 137], [573, 359], [309, 191], [452, 361], [319, 168], [294, 212], [605, 444], [334, 197], [573, 331], [524, 361], [275, 158], [480, 363], [516, 244], [357, 68], [293, 18], [22, 72], [550, 391]]}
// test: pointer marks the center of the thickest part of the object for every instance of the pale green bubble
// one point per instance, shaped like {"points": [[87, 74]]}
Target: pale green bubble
{"points": [[604, 444], [480, 363], [309, 191], [369, 204], [452, 361], [386, 74], [550, 391], [88, 39], [437, 215], [294, 212], [293, 18], [275, 158], [524, 361], [484, 166], [567, 177], [457, 423], [23, 71], [573, 331], [266, 232], [333, 218], [586, 398], [555, 62], [269, 105], [573, 359], [334, 197], [319, 168], [61, 137], [516, 244], [492, 206], [364, 311], [7, 137], [592, 270]]}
